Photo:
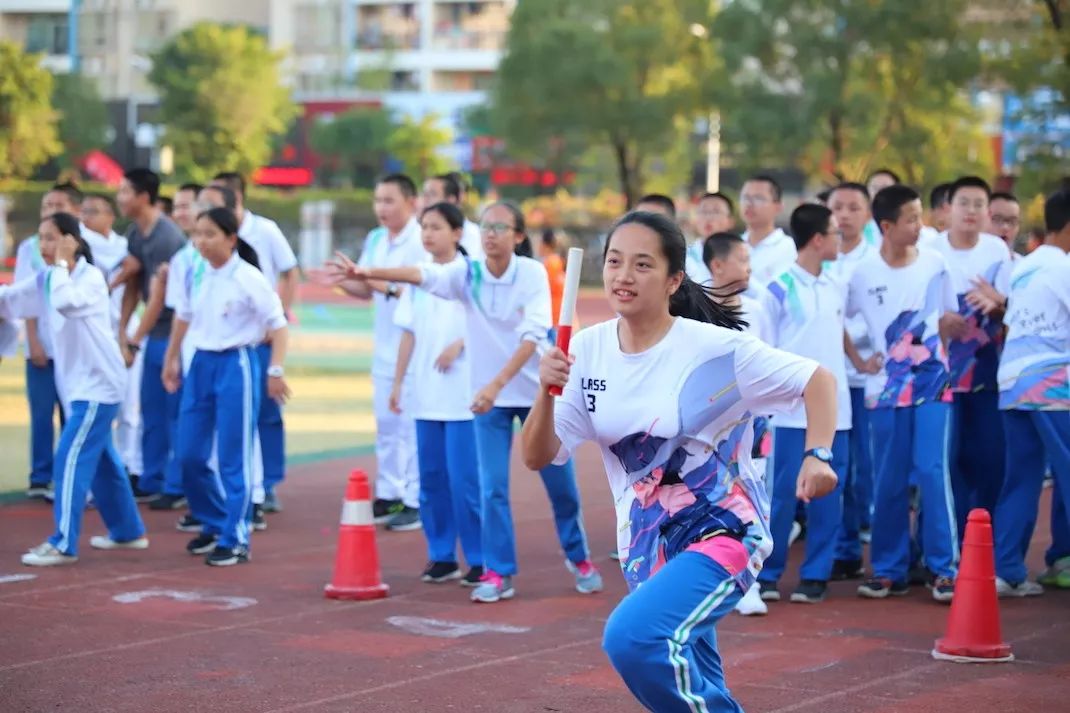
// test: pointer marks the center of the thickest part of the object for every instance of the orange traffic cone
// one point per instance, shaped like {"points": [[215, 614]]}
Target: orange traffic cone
{"points": [[973, 631], [356, 567]]}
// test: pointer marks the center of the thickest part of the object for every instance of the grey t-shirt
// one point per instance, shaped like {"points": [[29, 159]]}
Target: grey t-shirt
{"points": [[153, 250]]}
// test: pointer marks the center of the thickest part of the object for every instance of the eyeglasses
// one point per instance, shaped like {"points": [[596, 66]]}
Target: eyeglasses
{"points": [[1002, 221], [496, 228], [754, 200]]}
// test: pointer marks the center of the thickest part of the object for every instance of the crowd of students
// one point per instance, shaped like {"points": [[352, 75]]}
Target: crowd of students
{"points": [[737, 399]]}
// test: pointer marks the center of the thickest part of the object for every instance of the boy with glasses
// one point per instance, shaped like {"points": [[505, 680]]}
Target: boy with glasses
{"points": [[772, 251]]}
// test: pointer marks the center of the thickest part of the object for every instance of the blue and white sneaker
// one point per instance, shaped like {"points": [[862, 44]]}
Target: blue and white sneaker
{"points": [[493, 587], [588, 578]]}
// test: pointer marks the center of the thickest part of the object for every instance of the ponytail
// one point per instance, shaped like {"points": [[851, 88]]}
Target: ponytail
{"points": [[226, 221], [523, 248], [703, 304], [67, 224]]}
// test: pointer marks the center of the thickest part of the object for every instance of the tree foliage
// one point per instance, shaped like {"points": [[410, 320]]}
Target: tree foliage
{"points": [[220, 99], [354, 144], [83, 117], [603, 73], [27, 120], [418, 145]]}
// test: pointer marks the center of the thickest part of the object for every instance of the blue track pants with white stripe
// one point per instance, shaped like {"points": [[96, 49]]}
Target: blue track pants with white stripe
{"points": [[220, 398], [661, 637], [86, 460]]}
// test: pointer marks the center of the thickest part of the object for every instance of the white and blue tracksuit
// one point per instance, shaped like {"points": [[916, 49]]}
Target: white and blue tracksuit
{"points": [[1034, 397], [41, 393], [76, 307], [228, 311]]}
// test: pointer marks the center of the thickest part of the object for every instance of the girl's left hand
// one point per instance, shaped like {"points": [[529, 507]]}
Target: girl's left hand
{"points": [[485, 398], [67, 249], [816, 479], [278, 389]]}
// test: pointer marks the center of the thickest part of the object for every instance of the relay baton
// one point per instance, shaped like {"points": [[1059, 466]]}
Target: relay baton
{"points": [[568, 303]]}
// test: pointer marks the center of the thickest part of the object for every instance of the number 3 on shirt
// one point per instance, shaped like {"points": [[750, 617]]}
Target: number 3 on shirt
{"points": [[590, 402]]}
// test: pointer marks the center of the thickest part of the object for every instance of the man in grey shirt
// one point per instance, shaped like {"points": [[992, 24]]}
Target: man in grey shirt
{"points": [[153, 240]]}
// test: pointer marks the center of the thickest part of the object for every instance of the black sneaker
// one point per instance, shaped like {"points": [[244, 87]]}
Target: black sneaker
{"points": [[188, 523], [768, 591], [882, 587], [472, 579], [202, 544], [383, 510], [847, 569], [272, 502], [140, 496], [437, 572], [40, 492], [226, 556], [406, 519], [809, 591], [259, 523], [164, 501]]}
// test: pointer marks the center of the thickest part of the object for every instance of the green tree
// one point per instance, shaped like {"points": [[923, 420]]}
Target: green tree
{"points": [[220, 99], [418, 144], [27, 119], [839, 87], [83, 117], [355, 143], [610, 73]]}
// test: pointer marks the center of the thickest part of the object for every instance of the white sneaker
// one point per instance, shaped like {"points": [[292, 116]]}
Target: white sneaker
{"points": [[45, 555], [751, 603], [1022, 589], [101, 542]]}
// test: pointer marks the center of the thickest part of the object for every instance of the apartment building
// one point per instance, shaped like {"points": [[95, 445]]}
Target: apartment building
{"points": [[40, 26]]}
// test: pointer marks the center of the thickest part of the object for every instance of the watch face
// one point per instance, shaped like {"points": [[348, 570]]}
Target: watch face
{"points": [[823, 454]]}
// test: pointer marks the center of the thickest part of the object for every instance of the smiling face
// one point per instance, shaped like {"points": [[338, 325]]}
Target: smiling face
{"points": [[636, 272], [212, 243]]}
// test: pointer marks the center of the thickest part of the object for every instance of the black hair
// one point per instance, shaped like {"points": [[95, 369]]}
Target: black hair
{"points": [[720, 196], [230, 198], [459, 177], [773, 184], [451, 189], [549, 238], [103, 197], [968, 182], [166, 203], [144, 181], [660, 199], [195, 187], [523, 248], [453, 217], [939, 195], [70, 190], [67, 224], [719, 246], [233, 180], [887, 172], [809, 220], [889, 201], [1057, 211], [226, 221], [823, 196], [403, 182], [851, 186], [691, 300], [1003, 196]]}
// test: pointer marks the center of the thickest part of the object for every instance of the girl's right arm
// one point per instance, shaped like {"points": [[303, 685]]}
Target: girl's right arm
{"points": [[21, 300], [446, 281]]}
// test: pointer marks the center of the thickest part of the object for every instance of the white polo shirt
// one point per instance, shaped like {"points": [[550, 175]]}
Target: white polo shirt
{"points": [[696, 269], [775, 254], [29, 262], [273, 251], [380, 250], [108, 253], [502, 312], [1034, 371], [435, 324], [842, 269], [806, 313]]}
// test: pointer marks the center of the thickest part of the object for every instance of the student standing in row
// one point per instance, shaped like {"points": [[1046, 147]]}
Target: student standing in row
{"points": [[153, 239], [714, 213], [1034, 397], [449, 189], [228, 313], [74, 295], [772, 251], [507, 302], [906, 297], [433, 356], [806, 308], [691, 513]]}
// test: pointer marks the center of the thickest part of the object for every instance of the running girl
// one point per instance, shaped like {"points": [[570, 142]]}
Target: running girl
{"points": [[670, 403], [72, 295]]}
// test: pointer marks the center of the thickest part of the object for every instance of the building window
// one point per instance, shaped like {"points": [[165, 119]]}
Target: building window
{"points": [[471, 26], [381, 27], [47, 33]]}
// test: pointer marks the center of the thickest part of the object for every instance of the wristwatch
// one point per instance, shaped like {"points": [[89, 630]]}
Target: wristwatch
{"points": [[392, 291], [275, 372], [822, 454]]}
